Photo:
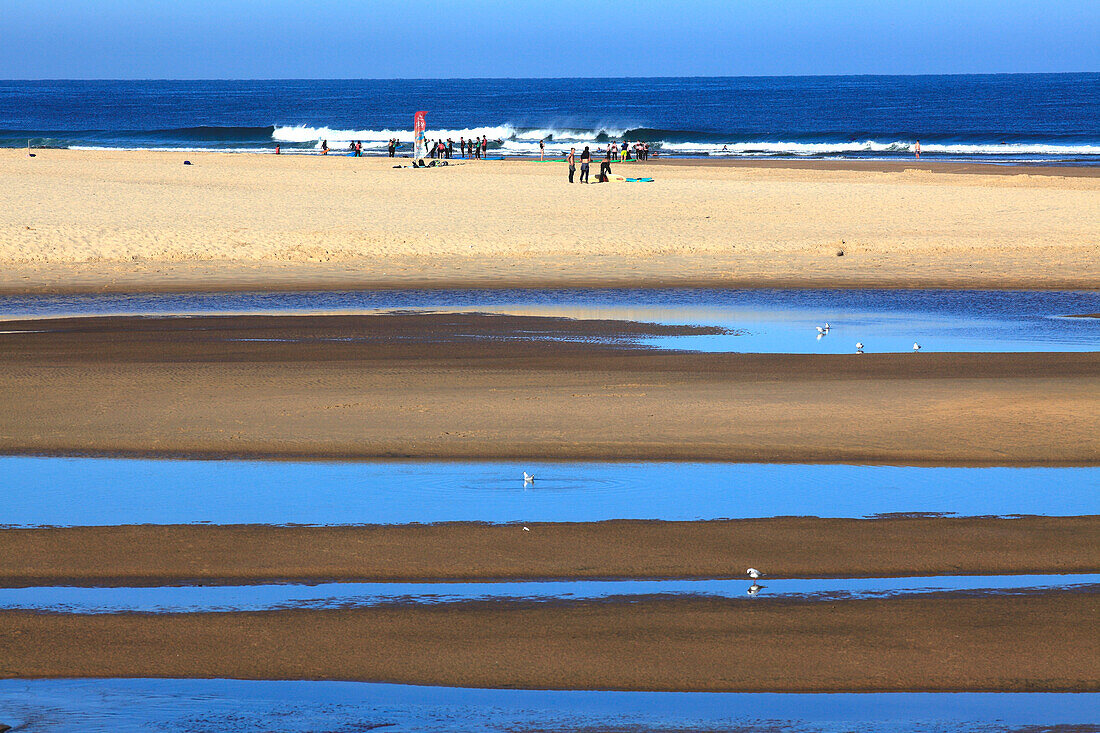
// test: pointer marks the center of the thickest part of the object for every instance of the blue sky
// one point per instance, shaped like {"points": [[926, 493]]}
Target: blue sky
{"points": [[132, 39]]}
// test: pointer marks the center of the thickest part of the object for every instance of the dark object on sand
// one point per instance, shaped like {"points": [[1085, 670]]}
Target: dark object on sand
{"points": [[31, 155], [187, 162], [840, 253]]}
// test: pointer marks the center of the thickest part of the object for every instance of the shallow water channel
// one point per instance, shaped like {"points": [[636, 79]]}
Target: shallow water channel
{"points": [[107, 491], [236, 706], [220, 598], [762, 321]]}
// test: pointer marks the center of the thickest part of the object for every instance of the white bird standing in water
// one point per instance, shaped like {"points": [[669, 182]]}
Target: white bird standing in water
{"points": [[859, 347], [528, 478], [753, 573], [916, 346]]}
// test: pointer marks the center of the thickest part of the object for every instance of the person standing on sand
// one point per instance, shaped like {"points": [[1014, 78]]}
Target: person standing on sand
{"points": [[277, 150], [484, 146], [462, 146], [918, 149], [542, 150], [586, 160], [571, 159], [605, 169]]}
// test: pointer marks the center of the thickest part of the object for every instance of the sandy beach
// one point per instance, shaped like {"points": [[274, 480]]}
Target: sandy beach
{"points": [[141, 220], [800, 547], [1037, 642], [383, 386]]}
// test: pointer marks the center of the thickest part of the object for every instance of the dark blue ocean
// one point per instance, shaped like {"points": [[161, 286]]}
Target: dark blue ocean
{"points": [[1001, 117]]}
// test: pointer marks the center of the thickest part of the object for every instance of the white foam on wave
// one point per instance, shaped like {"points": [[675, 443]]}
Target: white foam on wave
{"points": [[872, 146], [506, 133]]}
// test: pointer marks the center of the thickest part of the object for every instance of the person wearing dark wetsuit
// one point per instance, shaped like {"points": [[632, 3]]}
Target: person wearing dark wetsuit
{"points": [[586, 159]]}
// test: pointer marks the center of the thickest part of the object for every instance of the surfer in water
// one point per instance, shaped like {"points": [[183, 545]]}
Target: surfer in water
{"points": [[324, 147]]}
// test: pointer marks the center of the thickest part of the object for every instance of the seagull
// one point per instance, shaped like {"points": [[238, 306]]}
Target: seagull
{"points": [[916, 346], [859, 347], [526, 529], [528, 478], [754, 589], [824, 329], [753, 573]]}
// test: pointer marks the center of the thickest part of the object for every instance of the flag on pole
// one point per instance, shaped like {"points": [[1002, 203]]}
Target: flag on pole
{"points": [[419, 125]]}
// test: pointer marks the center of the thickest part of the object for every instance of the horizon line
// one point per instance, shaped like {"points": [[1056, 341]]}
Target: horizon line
{"points": [[549, 78]]}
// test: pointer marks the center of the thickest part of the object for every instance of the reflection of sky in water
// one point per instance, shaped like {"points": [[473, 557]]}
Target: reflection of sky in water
{"points": [[177, 599], [234, 706], [102, 491], [771, 320]]}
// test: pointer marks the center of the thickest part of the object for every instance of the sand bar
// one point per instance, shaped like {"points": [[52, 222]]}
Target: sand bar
{"points": [[1040, 642], [783, 547], [140, 220], [163, 387]]}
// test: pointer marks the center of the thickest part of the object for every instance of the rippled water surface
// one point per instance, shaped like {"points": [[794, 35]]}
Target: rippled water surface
{"points": [[763, 321], [237, 706], [108, 491]]}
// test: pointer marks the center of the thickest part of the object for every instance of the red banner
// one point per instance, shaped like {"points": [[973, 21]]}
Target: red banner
{"points": [[420, 123]]}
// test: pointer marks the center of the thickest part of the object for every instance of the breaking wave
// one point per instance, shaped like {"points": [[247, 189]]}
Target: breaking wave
{"points": [[508, 139]]}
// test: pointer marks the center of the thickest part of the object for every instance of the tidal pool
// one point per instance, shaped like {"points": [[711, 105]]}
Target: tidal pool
{"points": [[107, 491], [240, 706]]}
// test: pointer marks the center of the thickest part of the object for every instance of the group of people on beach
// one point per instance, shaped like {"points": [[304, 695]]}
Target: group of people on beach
{"points": [[586, 163], [614, 152], [475, 148]]}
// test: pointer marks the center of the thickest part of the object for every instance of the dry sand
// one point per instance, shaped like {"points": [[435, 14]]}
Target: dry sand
{"points": [[784, 547], [1040, 642], [129, 220], [189, 387]]}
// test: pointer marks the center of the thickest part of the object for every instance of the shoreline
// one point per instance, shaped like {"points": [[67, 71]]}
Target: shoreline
{"points": [[785, 547], [678, 644], [231, 277]]}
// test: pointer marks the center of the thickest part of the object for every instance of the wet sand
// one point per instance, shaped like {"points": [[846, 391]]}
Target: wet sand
{"points": [[781, 547], [892, 166], [1040, 642], [140, 221], [407, 386]]}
